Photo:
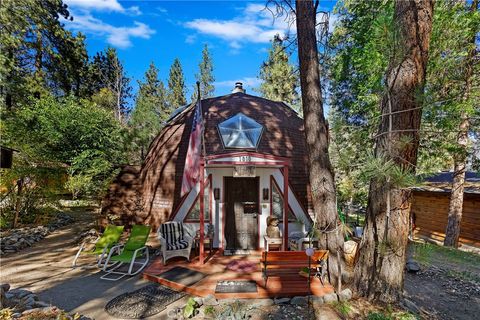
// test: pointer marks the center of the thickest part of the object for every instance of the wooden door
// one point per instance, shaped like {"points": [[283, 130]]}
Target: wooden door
{"points": [[241, 221]]}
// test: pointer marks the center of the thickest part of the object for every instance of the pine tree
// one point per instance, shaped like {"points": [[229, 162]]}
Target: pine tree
{"points": [[37, 53], [321, 175], [205, 76], [151, 111], [379, 271], [279, 79], [108, 83], [176, 85]]}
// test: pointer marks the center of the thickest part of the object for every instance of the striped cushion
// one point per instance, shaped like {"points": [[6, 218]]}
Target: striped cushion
{"points": [[173, 233], [180, 244]]}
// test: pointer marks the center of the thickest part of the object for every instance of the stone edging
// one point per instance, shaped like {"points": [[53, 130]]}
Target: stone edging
{"points": [[18, 239]]}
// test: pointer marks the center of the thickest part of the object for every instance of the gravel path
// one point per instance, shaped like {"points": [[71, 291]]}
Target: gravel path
{"points": [[45, 268]]}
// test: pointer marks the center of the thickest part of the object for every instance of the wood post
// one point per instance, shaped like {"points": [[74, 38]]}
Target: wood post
{"points": [[285, 208], [202, 213]]}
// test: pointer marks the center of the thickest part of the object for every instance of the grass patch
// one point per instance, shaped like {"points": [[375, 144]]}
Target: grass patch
{"points": [[459, 264], [342, 307], [391, 316], [428, 251]]}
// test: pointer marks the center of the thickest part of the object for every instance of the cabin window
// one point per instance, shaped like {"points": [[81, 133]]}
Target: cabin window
{"points": [[240, 131], [277, 203], [194, 213]]}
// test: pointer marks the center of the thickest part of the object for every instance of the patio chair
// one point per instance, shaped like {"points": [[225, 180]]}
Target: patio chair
{"points": [[176, 240], [131, 252], [103, 245]]}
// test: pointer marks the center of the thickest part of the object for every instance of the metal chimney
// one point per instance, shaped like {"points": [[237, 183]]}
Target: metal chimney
{"points": [[238, 88]]}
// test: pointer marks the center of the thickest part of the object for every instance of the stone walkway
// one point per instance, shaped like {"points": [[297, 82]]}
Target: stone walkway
{"points": [[45, 268]]}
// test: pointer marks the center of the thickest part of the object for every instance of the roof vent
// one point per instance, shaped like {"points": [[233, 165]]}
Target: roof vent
{"points": [[238, 88]]}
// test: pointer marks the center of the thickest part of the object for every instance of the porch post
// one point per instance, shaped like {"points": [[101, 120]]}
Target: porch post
{"points": [[202, 212], [285, 208]]}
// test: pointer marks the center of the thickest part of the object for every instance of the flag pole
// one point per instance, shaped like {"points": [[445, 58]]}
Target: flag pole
{"points": [[202, 186]]}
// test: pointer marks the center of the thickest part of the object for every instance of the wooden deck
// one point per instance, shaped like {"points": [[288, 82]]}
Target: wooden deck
{"points": [[216, 269]]}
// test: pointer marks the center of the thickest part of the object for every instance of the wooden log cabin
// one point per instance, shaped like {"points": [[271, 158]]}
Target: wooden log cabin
{"points": [[430, 208]]}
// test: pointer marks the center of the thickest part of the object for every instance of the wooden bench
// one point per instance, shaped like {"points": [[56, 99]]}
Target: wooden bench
{"points": [[282, 263]]}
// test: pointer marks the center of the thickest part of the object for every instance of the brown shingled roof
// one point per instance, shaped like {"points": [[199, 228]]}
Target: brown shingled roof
{"points": [[161, 174]]}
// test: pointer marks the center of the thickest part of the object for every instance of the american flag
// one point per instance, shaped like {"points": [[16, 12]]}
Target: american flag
{"points": [[191, 173]]}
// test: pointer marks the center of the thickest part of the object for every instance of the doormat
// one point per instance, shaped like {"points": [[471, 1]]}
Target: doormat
{"points": [[243, 266], [142, 303], [238, 252], [181, 275], [236, 286]]}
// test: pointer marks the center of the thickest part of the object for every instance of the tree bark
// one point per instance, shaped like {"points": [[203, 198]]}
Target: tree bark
{"points": [[18, 202], [316, 131], [379, 271], [455, 208]]}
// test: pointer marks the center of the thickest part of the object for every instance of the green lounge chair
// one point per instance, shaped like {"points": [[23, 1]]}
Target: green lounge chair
{"points": [[133, 250], [103, 245]]}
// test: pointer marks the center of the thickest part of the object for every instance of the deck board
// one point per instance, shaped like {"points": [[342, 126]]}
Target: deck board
{"points": [[216, 269]]}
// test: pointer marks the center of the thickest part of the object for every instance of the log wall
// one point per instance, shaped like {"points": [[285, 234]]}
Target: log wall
{"points": [[430, 211]]}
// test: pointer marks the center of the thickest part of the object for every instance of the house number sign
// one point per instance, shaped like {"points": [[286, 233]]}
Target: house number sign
{"points": [[244, 171]]}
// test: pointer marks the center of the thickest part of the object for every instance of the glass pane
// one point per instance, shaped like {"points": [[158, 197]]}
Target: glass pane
{"points": [[277, 205], [240, 131], [194, 214]]}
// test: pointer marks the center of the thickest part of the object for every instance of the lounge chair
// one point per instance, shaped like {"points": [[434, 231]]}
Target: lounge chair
{"points": [[103, 245], [175, 240], [131, 252]]}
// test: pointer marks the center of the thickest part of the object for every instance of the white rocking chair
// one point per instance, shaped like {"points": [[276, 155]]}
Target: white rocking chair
{"points": [[176, 240]]}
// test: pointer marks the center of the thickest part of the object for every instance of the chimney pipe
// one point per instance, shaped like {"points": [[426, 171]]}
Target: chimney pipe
{"points": [[238, 88]]}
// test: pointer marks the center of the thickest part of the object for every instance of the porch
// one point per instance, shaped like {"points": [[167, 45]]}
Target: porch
{"points": [[218, 267]]}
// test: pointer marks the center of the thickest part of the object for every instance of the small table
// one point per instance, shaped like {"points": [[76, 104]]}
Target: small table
{"points": [[207, 240], [302, 243], [275, 242]]}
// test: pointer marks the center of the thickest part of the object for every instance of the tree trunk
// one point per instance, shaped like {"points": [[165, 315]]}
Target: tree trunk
{"points": [[460, 157], [18, 202], [379, 272], [38, 74], [316, 131]]}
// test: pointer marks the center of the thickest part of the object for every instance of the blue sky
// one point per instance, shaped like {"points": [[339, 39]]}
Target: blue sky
{"points": [[237, 33]]}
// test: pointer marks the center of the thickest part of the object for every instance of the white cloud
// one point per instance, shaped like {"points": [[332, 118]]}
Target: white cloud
{"points": [[117, 36], [162, 10], [134, 10], [255, 24], [106, 5], [191, 39], [103, 5]]}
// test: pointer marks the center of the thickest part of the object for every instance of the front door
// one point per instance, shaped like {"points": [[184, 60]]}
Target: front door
{"points": [[241, 221]]}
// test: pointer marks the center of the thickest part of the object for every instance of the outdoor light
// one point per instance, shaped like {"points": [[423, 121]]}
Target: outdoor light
{"points": [[216, 193], [265, 193], [309, 251]]}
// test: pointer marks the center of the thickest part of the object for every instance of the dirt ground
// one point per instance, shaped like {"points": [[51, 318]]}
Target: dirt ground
{"points": [[448, 285]]}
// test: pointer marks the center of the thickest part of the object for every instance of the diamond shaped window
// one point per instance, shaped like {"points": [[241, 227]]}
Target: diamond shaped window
{"points": [[240, 131]]}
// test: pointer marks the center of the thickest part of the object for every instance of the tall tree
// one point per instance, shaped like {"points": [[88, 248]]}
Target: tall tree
{"points": [[467, 108], [379, 269], [108, 83], [176, 85], [279, 79], [150, 112], [359, 57], [205, 76], [316, 132], [37, 52]]}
